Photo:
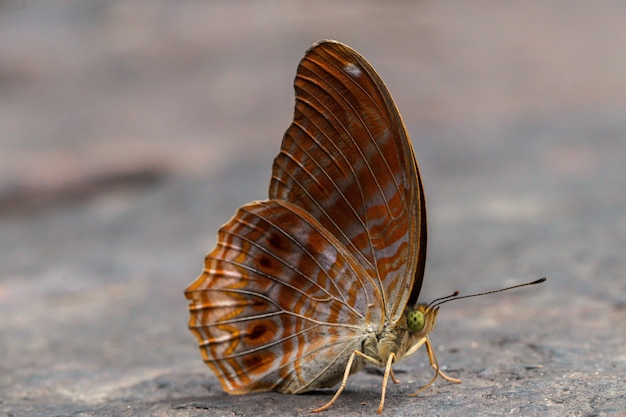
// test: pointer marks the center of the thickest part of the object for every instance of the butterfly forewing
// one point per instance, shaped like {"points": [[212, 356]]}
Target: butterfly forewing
{"points": [[347, 160]]}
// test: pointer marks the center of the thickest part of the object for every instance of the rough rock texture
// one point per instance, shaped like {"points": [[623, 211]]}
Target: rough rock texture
{"points": [[130, 130]]}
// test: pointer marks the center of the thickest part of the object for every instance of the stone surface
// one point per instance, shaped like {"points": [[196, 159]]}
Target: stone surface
{"points": [[130, 130]]}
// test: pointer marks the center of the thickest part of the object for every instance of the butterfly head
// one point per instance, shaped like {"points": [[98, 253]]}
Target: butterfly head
{"points": [[421, 320]]}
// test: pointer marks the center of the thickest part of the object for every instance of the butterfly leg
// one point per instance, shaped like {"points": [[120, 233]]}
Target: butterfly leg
{"points": [[344, 381], [388, 371], [393, 377], [433, 362]]}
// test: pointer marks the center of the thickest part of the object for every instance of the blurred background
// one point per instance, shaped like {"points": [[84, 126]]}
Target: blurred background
{"points": [[131, 130]]}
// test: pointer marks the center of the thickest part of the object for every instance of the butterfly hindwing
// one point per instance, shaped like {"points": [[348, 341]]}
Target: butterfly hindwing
{"points": [[275, 302]]}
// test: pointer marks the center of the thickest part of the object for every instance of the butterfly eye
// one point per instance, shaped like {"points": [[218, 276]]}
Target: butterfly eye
{"points": [[415, 321]]}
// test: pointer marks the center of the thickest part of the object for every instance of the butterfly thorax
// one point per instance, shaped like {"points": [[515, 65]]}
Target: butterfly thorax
{"points": [[401, 338]]}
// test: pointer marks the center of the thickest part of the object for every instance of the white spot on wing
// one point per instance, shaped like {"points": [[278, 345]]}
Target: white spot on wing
{"points": [[353, 70]]}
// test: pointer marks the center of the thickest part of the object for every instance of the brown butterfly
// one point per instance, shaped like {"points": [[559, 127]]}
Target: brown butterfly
{"points": [[307, 287]]}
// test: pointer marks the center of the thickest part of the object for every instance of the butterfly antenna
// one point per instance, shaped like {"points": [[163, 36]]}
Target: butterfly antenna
{"points": [[443, 300], [454, 294]]}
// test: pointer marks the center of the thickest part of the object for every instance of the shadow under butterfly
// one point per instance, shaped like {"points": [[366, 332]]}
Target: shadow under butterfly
{"points": [[307, 287]]}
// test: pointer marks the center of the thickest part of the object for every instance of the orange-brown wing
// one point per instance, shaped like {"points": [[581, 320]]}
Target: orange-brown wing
{"points": [[273, 309], [347, 160]]}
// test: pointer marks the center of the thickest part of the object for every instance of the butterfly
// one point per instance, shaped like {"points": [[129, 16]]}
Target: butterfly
{"points": [[321, 279]]}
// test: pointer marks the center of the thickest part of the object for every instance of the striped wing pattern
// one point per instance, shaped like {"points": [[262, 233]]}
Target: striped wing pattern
{"points": [[297, 282]]}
